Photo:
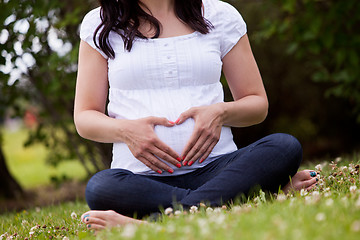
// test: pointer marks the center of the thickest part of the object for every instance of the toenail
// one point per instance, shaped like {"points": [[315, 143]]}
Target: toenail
{"points": [[87, 219], [312, 174], [317, 179], [89, 225]]}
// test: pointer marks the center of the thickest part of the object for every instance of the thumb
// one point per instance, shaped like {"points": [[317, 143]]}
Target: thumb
{"points": [[162, 121], [185, 115]]}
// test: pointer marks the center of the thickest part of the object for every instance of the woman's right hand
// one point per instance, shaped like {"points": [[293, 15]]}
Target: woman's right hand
{"points": [[145, 145]]}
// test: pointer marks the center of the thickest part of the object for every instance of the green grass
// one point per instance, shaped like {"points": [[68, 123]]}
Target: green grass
{"points": [[331, 211], [28, 166]]}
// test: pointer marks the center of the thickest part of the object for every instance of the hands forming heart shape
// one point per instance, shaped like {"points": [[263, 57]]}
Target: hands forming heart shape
{"points": [[148, 148]]}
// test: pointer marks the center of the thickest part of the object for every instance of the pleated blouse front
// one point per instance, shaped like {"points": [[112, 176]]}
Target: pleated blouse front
{"points": [[164, 77]]}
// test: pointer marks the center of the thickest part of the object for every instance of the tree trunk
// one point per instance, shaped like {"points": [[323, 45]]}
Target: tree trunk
{"points": [[9, 187]]}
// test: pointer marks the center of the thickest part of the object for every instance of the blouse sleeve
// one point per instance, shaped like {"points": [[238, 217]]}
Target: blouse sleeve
{"points": [[87, 30], [233, 28]]}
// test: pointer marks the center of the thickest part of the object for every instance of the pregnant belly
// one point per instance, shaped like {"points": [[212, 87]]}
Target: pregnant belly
{"points": [[177, 136]]}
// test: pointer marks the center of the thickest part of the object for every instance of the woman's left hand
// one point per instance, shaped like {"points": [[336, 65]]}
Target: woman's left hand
{"points": [[206, 134]]}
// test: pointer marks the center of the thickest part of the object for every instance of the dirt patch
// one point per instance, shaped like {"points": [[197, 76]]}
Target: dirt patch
{"points": [[46, 195]]}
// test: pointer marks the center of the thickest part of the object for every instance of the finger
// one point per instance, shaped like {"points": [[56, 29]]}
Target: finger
{"points": [[190, 144], [161, 121], [185, 115], [208, 151], [157, 163], [198, 149], [150, 165], [165, 152], [166, 157]]}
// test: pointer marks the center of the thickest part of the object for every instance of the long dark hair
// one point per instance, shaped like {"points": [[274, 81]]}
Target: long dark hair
{"points": [[123, 17]]}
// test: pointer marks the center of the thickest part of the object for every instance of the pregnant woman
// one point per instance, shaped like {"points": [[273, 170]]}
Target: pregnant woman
{"points": [[159, 62]]}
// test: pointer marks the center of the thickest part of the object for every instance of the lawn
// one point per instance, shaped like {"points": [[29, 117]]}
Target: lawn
{"points": [[331, 211], [28, 165]]}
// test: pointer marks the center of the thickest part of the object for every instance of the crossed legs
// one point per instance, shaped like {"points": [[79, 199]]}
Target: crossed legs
{"points": [[269, 163]]}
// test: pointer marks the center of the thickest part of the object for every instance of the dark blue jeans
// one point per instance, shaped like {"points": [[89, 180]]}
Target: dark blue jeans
{"points": [[268, 163]]}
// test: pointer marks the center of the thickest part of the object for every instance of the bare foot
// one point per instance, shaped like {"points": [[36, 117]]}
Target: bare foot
{"points": [[305, 179], [98, 220]]}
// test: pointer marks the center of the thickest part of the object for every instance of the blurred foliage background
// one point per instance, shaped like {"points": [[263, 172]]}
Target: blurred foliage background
{"points": [[308, 52]]}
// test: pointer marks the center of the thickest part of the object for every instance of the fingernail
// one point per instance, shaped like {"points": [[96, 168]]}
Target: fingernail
{"points": [[171, 122], [185, 163], [201, 161], [178, 165], [183, 158], [177, 121], [179, 159], [312, 174], [191, 163], [159, 172], [171, 171]]}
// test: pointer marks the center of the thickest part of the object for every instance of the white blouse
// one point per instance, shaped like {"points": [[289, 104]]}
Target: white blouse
{"points": [[164, 77]]}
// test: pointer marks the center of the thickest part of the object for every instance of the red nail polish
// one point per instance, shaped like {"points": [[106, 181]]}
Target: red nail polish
{"points": [[185, 163], [178, 165], [179, 159], [171, 171], [159, 172], [191, 163], [177, 121], [201, 161], [171, 122], [183, 158]]}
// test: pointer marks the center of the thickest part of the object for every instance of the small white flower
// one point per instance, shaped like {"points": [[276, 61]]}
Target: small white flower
{"points": [[318, 167], [327, 189], [65, 238], [236, 209], [31, 233], [129, 231], [320, 217], [338, 159], [303, 192], [4, 235], [209, 209], [281, 197], [329, 202], [353, 189], [193, 209], [177, 213], [218, 210], [315, 193], [35, 227], [327, 194], [37, 209], [168, 211], [73, 215]]}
